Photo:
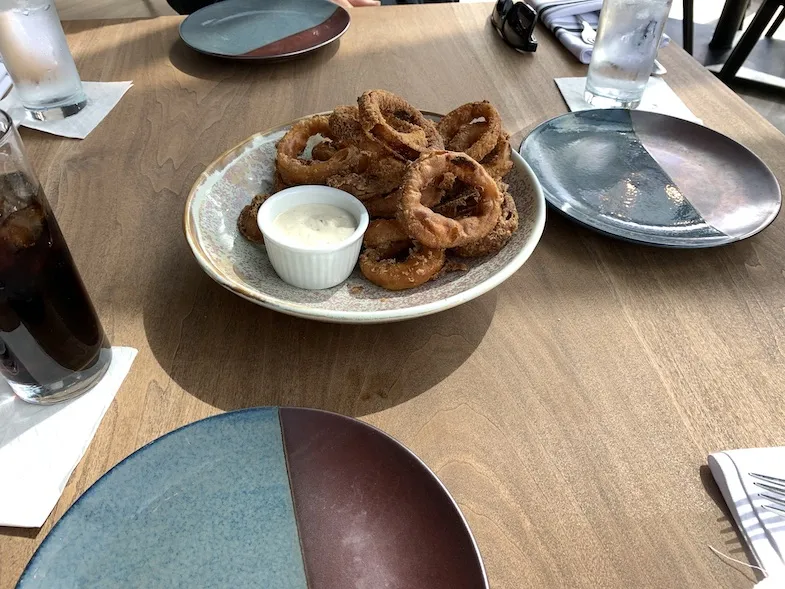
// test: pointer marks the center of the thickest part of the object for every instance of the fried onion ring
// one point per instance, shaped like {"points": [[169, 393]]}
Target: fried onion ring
{"points": [[324, 150], [452, 123], [384, 206], [384, 232], [437, 231], [377, 173], [467, 136], [279, 184], [380, 177], [397, 125], [346, 129], [387, 206], [498, 237], [462, 204], [362, 186], [387, 168], [498, 163], [380, 266], [294, 170], [431, 208], [246, 222]]}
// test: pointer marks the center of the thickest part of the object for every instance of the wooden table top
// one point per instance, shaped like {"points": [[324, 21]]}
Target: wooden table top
{"points": [[569, 411]]}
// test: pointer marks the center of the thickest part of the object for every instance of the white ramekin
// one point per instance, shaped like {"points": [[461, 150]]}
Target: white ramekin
{"points": [[312, 268]]}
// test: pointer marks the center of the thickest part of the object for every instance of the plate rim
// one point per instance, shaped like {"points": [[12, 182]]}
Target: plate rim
{"points": [[277, 410], [271, 58], [362, 317], [642, 237]]}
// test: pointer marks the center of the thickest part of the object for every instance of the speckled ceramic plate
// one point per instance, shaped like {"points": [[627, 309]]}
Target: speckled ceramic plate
{"points": [[266, 30], [650, 178], [230, 182], [263, 498]]}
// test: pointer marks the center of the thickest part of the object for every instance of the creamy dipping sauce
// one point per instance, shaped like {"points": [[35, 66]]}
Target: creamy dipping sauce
{"points": [[313, 225]]}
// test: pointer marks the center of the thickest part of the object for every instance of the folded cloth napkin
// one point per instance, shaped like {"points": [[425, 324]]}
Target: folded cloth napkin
{"points": [[40, 445], [563, 17], [763, 529], [101, 99]]}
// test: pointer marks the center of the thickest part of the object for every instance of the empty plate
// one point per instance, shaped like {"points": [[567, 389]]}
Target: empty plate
{"points": [[280, 498], [651, 178], [264, 29]]}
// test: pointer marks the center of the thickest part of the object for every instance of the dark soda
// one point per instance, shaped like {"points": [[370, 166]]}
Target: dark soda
{"points": [[51, 341]]}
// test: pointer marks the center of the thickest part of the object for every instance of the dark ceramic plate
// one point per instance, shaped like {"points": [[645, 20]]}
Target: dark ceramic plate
{"points": [[650, 178], [264, 29], [275, 498]]}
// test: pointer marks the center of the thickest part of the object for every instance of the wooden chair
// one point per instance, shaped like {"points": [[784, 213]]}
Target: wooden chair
{"points": [[776, 24], [687, 26]]}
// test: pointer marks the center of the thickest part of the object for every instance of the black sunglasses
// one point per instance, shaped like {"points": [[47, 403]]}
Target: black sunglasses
{"points": [[515, 22]]}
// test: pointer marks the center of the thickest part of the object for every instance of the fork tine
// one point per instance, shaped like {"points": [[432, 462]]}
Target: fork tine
{"points": [[772, 488], [774, 508], [773, 499], [773, 485], [766, 478]]}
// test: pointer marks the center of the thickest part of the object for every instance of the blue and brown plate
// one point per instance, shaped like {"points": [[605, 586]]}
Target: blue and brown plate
{"points": [[268, 30], [651, 178], [278, 498]]}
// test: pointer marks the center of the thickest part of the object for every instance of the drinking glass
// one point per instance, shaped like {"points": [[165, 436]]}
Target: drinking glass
{"points": [[36, 55], [628, 38], [52, 345]]}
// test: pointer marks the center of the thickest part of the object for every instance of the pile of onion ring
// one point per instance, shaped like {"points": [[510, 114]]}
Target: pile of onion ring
{"points": [[434, 191]]}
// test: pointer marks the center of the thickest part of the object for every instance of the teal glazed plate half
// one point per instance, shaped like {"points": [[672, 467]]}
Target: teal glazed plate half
{"points": [[651, 178], [265, 498], [268, 30]]}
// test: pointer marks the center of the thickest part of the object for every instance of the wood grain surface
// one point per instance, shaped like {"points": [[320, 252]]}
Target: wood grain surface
{"points": [[569, 411]]}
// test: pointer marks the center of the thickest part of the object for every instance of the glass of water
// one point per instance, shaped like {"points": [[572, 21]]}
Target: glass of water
{"points": [[628, 38], [36, 55]]}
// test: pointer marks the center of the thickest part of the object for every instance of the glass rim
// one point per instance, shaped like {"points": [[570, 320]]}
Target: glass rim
{"points": [[6, 124]]}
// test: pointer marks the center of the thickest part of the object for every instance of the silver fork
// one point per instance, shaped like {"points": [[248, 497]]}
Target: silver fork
{"points": [[776, 491], [589, 36]]}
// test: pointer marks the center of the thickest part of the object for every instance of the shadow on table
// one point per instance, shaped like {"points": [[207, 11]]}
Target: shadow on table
{"points": [[632, 258], [232, 354], [29, 533], [191, 62]]}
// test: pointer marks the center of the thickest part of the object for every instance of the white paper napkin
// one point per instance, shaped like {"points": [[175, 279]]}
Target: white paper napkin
{"points": [[657, 97], [563, 18], [5, 80], [101, 99], [763, 529], [40, 446]]}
